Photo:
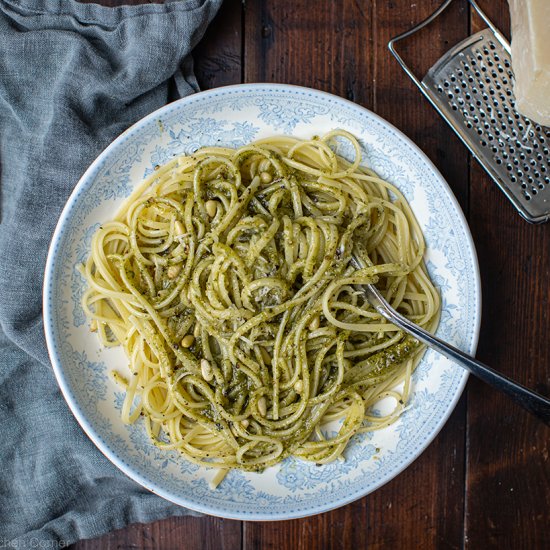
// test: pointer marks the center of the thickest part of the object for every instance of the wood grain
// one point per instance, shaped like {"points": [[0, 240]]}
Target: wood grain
{"points": [[508, 483], [190, 533], [407, 512], [218, 57]]}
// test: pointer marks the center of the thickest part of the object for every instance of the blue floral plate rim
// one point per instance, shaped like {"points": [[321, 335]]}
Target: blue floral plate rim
{"points": [[52, 266]]}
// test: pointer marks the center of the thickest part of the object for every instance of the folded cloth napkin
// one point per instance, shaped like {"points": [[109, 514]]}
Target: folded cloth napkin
{"points": [[72, 77]]}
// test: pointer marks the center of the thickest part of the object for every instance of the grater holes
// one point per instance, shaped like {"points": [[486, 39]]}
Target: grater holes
{"points": [[477, 88]]}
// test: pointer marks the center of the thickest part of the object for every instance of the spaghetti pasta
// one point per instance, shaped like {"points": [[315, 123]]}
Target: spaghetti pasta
{"points": [[227, 278]]}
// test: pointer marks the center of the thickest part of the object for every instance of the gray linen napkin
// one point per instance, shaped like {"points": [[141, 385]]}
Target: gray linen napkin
{"points": [[72, 77]]}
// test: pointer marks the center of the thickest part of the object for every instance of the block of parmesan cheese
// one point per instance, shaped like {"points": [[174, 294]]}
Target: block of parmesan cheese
{"points": [[531, 58]]}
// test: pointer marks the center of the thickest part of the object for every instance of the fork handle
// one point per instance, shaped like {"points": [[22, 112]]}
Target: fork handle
{"points": [[529, 400]]}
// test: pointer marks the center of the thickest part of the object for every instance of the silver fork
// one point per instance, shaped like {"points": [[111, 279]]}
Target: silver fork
{"points": [[529, 400]]}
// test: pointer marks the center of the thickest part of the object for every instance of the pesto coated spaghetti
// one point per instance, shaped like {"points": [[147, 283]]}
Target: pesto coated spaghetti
{"points": [[227, 279]]}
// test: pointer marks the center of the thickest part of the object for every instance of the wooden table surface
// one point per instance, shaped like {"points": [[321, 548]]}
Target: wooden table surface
{"points": [[485, 480]]}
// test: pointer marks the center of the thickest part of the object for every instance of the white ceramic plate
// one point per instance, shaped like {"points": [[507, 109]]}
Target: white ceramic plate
{"points": [[234, 116]]}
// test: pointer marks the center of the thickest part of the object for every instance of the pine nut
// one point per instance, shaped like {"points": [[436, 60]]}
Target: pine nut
{"points": [[245, 423], [262, 406], [211, 208], [206, 370], [265, 356], [299, 386], [174, 271], [265, 177], [315, 323], [187, 341]]}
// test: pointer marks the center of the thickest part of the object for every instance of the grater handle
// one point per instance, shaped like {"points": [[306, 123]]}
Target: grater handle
{"points": [[392, 43], [529, 400]]}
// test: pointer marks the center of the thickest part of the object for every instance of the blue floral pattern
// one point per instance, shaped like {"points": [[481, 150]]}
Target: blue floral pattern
{"points": [[233, 116]]}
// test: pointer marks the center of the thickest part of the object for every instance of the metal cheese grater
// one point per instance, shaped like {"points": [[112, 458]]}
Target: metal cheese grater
{"points": [[471, 88]]}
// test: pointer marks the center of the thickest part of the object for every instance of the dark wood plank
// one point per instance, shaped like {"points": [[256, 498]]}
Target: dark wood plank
{"points": [[423, 506], [289, 42], [340, 47], [337, 530], [508, 484], [328, 47], [218, 55], [183, 533]]}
